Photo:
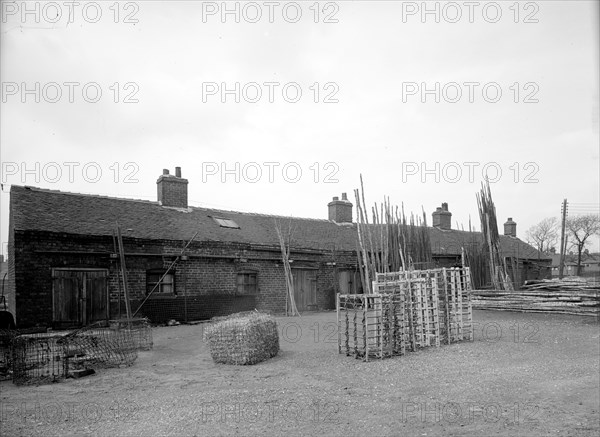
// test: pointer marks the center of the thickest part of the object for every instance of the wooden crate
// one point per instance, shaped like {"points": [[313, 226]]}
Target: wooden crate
{"points": [[408, 310]]}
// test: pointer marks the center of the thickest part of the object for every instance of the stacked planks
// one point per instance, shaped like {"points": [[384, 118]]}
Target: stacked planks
{"points": [[566, 296]]}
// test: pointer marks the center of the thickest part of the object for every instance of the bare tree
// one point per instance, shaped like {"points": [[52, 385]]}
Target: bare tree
{"points": [[580, 228], [544, 235]]}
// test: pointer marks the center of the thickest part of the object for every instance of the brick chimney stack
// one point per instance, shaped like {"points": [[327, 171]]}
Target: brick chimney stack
{"points": [[340, 211], [510, 228], [442, 218], [172, 189]]}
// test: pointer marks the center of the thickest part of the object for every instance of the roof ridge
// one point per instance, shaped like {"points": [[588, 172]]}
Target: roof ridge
{"points": [[71, 193], [273, 215]]}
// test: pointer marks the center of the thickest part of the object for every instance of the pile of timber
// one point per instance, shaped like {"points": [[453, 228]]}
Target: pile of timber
{"points": [[567, 296], [566, 284]]}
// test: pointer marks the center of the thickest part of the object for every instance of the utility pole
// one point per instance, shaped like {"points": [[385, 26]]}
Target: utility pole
{"points": [[562, 239]]}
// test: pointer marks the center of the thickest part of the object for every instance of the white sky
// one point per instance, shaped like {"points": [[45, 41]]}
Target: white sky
{"points": [[374, 51]]}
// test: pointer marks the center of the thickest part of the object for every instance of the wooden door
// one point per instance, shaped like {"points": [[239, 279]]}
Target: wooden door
{"points": [[347, 282], [79, 297], [66, 295], [96, 297], [305, 289]]}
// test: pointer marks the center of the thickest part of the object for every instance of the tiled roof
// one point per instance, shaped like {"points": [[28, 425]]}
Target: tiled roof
{"points": [[451, 241], [55, 211]]}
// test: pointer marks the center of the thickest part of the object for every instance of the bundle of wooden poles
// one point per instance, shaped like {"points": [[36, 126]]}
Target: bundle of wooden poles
{"points": [[389, 242], [566, 284], [290, 303], [547, 296], [475, 255], [489, 229]]}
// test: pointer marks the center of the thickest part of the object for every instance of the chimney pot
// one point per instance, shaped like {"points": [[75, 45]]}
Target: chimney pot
{"points": [[165, 171], [178, 172], [344, 196], [336, 198]]}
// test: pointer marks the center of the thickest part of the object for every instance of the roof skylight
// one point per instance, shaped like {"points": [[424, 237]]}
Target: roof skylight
{"points": [[226, 223]]}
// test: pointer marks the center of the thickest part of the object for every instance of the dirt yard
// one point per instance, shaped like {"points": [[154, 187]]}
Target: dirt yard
{"points": [[525, 374]]}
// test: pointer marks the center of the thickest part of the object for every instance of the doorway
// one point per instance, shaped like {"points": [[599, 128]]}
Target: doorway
{"points": [[349, 282], [79, 296], [305, 289]]}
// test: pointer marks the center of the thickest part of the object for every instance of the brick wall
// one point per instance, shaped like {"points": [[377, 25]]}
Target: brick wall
{"points": [[9, 286], [205, 283], [10, 278]]}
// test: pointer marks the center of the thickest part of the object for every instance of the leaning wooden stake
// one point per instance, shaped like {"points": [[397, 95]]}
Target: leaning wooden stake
{"points": [[118, 279], [124, 272], [362, 243], [289, 278], [175, 261]]}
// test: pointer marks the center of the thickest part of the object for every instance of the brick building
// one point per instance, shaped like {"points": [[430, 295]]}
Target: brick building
{"points": [[63, 259]]}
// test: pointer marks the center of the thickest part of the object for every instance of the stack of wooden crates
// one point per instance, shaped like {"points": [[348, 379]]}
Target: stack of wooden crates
{"points": [[407, 310]]}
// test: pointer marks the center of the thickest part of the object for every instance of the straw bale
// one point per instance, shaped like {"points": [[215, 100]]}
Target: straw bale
{"points": [[242, 338]]}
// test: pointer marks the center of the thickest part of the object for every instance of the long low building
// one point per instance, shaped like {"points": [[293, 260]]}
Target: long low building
{"points": [[64, 263]]}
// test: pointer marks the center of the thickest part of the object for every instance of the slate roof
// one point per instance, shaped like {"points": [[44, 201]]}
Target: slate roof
{"points": [[83, 214]]}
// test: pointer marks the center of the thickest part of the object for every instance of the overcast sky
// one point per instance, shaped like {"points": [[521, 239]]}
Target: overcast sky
{"points": [[517, 91]]}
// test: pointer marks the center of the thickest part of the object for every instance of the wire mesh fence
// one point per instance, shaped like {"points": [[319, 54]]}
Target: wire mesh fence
{"points": [[139, 329], [37, 358], [98, 346]]}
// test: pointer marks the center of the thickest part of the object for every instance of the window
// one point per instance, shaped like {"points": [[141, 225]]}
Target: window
{"points": [[246, 283], [226, 223], [165, 288]]}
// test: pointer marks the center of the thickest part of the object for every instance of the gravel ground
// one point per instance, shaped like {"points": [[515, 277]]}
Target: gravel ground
{"points": [[525, 374]]}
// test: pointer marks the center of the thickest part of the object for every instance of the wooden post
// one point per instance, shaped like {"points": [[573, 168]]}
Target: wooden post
{"points": [[185, 317], [411, 318], [347, 335], [469, 304], [426, 321], [436, 316], [118, 279], [124, 273], [402, 321], [446, 298], [365, 324], [355, 333], [337, 310], [457, 286]]}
